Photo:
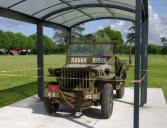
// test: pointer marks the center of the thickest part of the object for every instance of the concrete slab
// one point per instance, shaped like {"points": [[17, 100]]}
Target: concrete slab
{"points": [[30, 113]]}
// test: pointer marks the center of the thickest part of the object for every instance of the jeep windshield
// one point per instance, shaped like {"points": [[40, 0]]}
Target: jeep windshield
{"points": [[92, 49]]}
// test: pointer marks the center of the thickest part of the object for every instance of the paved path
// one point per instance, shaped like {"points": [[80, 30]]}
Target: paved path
{"points": [[29, 113]]}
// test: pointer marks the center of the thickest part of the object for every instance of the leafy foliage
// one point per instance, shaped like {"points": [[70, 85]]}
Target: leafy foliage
{"points": [[61, 36], [131, 35], [49, 45], [114, 36], [4, 40], [10, 40], [77, 32], [105, 35], [164, 41]]}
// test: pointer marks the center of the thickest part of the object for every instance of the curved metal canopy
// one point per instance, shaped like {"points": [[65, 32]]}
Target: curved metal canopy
{"points": [[69, 13], [66, 14]]}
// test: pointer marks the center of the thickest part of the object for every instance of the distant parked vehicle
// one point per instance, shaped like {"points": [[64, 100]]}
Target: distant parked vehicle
{"points": [[29, 52], [13, 52], [22, 51], [19, 51], [3, 51]]}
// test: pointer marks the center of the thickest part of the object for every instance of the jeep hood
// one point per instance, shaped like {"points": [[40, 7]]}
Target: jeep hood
{"points": [[91, 66]]}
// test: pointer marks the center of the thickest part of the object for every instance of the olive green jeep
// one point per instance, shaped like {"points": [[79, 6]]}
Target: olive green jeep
{"points": [[88, 78]]}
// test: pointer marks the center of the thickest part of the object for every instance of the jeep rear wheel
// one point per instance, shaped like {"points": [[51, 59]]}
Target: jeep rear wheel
{"points": [[120, 92], [107, 101], [49, 106]]}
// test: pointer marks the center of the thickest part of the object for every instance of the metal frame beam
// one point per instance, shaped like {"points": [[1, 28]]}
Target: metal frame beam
{"points": [[52, 25], [29, 19], [60, 15], [101, 3], [83, 16], [16, 4], [114, 5], [40, 60], [70, 5], [120, 18]]}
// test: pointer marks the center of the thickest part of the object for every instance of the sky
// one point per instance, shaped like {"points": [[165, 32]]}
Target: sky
{"points": [[157, 24]]}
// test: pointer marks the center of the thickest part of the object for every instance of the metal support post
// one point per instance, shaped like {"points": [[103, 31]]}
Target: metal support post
{"points": [[144, 58], [143, 63], [146, 55], [70, 36], [40, 62], [137, 62]]}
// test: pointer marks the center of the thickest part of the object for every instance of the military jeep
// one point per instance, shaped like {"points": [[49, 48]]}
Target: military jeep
{"points": [[91, 73]]}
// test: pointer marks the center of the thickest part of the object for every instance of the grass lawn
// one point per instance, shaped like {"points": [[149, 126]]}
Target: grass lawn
{"points": [[13, 89]]}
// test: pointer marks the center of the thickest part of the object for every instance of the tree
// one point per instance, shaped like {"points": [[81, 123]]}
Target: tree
{"points": [[131, 40], [13, 40], [154, 49], [132, 28], [105, 35], [131, 35], [31, 44], [49, 45], [164, 50], [101, 36], [61, 36], [10, 40], [114, 36], [97, 37], [21, 41], [4, 40], [164, 41], [62, 48], [34, 38], [77, 32]]}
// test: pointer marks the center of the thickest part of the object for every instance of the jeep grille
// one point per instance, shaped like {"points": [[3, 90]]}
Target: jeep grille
{"points": [[68, 83]]}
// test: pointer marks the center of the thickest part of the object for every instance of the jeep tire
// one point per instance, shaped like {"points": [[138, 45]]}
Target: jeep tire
{"points": [[107, 101], [120, 92]]}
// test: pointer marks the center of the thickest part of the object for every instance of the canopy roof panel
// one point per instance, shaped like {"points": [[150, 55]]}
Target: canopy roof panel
{"points": [[70, 13]]}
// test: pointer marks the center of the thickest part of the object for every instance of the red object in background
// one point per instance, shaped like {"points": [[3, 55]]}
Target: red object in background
{"points": [[14, 50], [20, 49], [53, 88]]}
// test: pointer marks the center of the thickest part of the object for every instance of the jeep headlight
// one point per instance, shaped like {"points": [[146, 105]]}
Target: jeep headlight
{"points": [[50, 70], [107, 71], [57, 73]]}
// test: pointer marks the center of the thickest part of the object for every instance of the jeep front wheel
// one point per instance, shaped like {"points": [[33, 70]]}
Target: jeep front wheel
{"points": [[107, 101]]}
